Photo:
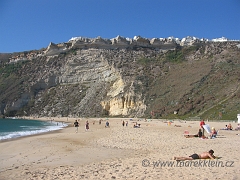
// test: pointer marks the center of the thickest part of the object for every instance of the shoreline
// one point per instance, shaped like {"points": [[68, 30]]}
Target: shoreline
{"points": [[32, 118], [117, 152]]}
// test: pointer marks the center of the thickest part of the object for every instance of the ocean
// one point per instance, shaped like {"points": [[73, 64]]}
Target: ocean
{"points": [[15, 128]]}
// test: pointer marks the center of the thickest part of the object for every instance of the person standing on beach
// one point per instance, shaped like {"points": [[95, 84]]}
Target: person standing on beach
{"points": [[87, 125], [123, 123], [201, 125], [76, 124], [107, 124]]}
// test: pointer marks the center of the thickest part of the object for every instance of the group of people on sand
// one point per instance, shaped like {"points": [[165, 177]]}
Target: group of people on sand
{"points": [[228, 127], [204, 155], [135, 125], [200, 133], [107, 125], [76, 125], [124, 123], [213, 133]]}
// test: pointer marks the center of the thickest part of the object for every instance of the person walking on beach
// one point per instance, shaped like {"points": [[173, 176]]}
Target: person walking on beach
{"points": [[123, 123], [204, 155], [76, 124], [107, 124], [87, 125]]}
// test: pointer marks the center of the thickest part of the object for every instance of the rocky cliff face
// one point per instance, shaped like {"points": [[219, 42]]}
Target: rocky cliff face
{"points": [[122, 77]]}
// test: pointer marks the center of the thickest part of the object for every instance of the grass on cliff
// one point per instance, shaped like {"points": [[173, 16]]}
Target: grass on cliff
{"points": [[222, 112], [9, 69], [172, 56], [215, 84]]}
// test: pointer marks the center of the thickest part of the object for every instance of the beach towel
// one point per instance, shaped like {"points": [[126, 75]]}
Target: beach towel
{"points": [[207, 128]]}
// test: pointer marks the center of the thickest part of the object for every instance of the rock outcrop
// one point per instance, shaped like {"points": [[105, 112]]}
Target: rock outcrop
{"points": [[54, 49], [136, 77], [119, 42]]}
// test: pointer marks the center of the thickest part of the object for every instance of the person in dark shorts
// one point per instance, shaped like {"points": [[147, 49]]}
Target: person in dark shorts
{"points": [[204, 155], [194, 156], [76, 124]]}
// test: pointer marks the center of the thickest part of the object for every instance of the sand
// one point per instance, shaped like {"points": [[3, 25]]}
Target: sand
{"points": [[121, 152]]}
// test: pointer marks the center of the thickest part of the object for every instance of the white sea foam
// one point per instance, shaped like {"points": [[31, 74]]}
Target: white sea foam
{"points": [[32, 131]]}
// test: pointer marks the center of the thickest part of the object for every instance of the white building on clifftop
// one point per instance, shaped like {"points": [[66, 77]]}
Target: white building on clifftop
{"points": [[222, 39]]}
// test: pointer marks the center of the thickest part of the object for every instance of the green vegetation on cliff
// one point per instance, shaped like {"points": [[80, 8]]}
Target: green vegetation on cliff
{"points": [[193, 81]]}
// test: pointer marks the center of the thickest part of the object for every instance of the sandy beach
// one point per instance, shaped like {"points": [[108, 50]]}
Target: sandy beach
{"points": [[121, 152]]}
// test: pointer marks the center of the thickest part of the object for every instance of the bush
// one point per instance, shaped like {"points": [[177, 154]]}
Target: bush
{"points": [[175, 56]]}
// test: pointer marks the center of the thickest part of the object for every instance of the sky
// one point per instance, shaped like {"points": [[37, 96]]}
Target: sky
{"points": [[32, 24]]}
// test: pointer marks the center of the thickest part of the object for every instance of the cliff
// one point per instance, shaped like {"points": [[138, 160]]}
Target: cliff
{"points": [[139, 77]]}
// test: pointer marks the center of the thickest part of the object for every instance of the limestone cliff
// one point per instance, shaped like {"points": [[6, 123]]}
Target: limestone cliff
{"points": [[136, 77]]}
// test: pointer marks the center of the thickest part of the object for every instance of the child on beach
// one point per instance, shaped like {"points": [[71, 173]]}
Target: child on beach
{"points": [[213, 133]]}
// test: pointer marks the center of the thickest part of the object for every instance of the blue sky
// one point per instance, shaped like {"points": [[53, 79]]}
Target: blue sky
{"points": [[33, 24]]}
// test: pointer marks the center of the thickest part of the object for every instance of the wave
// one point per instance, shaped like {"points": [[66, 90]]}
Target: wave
{"points": [[32, 130]]}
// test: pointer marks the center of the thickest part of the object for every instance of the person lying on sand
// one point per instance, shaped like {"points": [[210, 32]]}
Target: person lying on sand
{"points": [[199, 134], [226, 128], [229, 127], [204, 155], [136, 125], [177, 125]]}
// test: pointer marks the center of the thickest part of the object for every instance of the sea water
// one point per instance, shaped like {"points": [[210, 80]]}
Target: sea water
{"points": [[14, 128]]}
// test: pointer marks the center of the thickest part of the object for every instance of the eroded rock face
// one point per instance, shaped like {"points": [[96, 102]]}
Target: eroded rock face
{"points": [[94, 68], [118, 42], [54, 49], [121, 103], [94, 77], [125, 105]]}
